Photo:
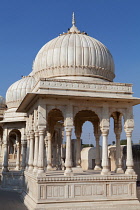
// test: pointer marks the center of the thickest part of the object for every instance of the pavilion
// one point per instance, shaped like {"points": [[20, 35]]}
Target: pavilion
{"points": [[71, 82]]}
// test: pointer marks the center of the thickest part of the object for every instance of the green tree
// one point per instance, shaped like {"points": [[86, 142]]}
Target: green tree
{"points": [[123, 142], [87, 145]]}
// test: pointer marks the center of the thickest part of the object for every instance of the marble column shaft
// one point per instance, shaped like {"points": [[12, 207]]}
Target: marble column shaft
{"points": [[27, 151], [31, 151], [36, 148], [41, 152], [18, 155], [97, 159], [105, 161], [49, 155], [68, 161], [5, 158], [24, 153], [5, 150], [78, 152], [118, 154], [129, 160]]}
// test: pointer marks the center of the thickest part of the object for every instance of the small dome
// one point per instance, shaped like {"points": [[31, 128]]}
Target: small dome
{"points": [[17, 91], [2, 101], [74, 54]]}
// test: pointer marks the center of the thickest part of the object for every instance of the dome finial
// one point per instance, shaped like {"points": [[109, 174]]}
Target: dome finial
{"points": [[73, 19]]}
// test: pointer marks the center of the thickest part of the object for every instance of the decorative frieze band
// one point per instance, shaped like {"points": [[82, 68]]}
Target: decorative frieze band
{"points": [[96, 87]]}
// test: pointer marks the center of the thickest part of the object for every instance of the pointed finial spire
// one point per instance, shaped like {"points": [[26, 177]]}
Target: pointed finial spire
{"points": [[73, 19]]}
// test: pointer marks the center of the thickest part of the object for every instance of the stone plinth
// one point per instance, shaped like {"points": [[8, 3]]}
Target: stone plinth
{"points": [[12, 180], [55, 189]]}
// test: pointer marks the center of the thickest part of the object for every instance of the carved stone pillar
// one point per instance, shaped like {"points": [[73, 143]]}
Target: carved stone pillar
{"points": [[129, 160], [0, 147], [78, 152], [31, 151], [59, 157], [27, 151], [41, 152], [62, 158], [5, 157], [54, 154], [105, 161], [97, 160], [24, 151], [118, 153], [36, 151], [18, 155], [49, 156], [46, 151], [5, 150], [68, 161]]}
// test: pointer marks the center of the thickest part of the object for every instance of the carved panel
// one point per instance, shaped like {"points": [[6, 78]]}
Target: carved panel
{"points": [[119, 189], [55, 191], [77, 190], [42, 189]]}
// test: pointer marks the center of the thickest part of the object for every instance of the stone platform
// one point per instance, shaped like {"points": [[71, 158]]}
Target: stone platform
{"points": [[53, 190], [12, 180]]}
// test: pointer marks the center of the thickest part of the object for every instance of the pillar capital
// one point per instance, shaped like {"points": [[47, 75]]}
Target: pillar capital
{"points": [[104, 126], [68, 128], [41, 131], [24, 142], [129, 124], [5, 144], [36, 133], [49, 135], [105, 132], [128, 132], [31, 134], [41, 128], [28, 136]]}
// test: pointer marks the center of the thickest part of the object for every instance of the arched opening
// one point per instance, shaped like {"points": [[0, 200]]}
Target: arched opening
{"points": [[14, 149], [55, 151], [87, 136], [87, 128], [115, 150]]}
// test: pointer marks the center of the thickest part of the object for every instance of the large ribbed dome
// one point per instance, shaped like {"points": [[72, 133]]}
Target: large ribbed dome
{"points": [[18, 90], [74, 54]]}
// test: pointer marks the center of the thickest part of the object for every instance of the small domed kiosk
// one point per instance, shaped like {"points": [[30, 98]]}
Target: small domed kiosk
{"points": [[71, 82]]}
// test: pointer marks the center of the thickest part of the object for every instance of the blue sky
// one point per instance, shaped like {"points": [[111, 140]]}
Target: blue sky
{"points": [[26, 25]]}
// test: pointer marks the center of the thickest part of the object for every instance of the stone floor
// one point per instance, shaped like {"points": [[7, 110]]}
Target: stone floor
{"points": [[10, 201]]}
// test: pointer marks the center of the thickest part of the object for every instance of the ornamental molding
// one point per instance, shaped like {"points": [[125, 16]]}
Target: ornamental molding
{"points": [[104, 87], [92, 71], [100, 178]]}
